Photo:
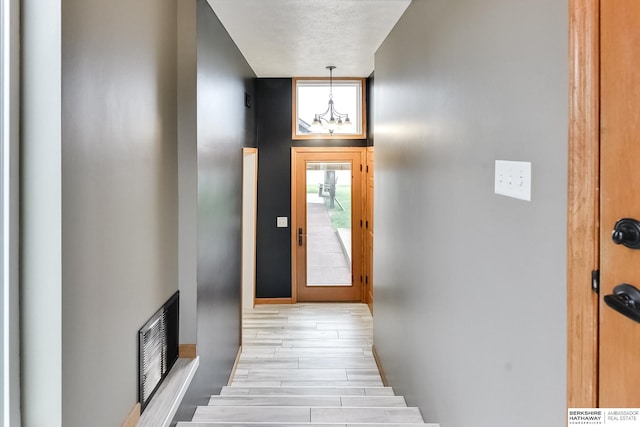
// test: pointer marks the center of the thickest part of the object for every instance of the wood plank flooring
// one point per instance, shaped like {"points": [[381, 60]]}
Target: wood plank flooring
{"points": [[307, 364]]}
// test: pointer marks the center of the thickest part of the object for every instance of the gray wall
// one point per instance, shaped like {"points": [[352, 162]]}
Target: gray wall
{"points": [[119, 197], [187, 170], [102, 176], [469, 312]]}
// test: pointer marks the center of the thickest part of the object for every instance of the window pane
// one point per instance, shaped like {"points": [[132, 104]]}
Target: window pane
{"points": [[313, 101], [328, 224]]}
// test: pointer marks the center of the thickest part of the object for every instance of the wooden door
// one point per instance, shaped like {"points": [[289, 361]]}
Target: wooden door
{"points": [[619, 347], [368, 230], [327, 235]]}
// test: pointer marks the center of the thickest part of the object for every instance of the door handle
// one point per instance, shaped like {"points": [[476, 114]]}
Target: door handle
{"points": [[625, 300], [299, 236], [627, 232]]}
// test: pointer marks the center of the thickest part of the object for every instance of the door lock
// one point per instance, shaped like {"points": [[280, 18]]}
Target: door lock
{"points": [[627, 232], [299, 236], [625, 300]]}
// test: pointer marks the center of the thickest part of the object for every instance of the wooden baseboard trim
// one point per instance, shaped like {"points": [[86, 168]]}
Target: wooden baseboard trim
{"points": [[379, 364], [133, 417], [235, 366], [187, 351], [273, 301]]}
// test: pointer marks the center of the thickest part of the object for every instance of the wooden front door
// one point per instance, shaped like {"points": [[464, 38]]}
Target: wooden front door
{"points": [[327, 232], [619, 343]]}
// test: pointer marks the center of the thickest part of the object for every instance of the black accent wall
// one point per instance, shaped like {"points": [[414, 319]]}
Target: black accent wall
{"points": [[224, 126], [273, 245]]}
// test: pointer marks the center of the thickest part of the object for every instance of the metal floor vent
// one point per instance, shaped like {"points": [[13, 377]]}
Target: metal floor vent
{"points": [[157, 349]]}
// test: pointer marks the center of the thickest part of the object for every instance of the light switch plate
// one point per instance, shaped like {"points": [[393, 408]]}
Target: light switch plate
{"points": [[513, 179], [281, 222]]}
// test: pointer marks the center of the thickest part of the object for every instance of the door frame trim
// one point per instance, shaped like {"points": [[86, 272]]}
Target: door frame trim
{"points": [[294, 210], [583, 203], [248, 152]]}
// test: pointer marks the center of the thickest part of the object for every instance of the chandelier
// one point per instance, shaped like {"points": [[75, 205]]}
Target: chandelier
{"points": [[331, 119]]}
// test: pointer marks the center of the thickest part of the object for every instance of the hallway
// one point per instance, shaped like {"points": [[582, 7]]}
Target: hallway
{"points": [[307, 364], [124, 127]]}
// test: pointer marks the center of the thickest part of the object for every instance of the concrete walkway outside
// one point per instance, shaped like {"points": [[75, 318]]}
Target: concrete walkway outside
{"points": [[327, 263]]}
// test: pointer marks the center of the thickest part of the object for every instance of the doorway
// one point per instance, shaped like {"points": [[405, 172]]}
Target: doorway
{"points": [[603, 368], [327, 228]]}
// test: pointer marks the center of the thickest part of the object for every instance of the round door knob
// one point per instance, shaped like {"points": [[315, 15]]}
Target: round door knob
{"points": [[625, 235], [627, 232]]}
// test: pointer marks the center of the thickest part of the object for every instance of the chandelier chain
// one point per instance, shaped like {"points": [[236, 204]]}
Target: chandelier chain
{"points": [[336, 120]]}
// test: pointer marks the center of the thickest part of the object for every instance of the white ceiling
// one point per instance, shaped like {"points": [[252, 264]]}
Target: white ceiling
{"points": [[299, 38]]}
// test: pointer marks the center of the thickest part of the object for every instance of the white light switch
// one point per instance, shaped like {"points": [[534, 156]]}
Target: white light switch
{"points": [[281, 222], [513, 179]]}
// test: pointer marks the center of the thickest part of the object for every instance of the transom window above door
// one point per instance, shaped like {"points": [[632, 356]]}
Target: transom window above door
{"points": [[324, 109]]}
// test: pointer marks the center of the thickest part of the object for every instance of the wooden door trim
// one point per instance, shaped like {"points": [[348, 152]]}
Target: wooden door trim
{"points": [[294, 214], [583, 203], [295, 154], [369, 229]]}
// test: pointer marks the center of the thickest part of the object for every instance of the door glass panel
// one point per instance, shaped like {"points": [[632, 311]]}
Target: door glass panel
{"points": [[328, 224]]}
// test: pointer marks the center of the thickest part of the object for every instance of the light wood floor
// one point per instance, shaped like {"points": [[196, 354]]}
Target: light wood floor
{"points": [[307, 364]]}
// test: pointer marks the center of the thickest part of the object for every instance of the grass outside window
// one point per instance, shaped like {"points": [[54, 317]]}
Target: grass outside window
{"points": [[340, 214]]}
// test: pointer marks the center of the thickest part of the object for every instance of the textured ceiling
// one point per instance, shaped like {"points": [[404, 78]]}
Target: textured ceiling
{"points": [[299, 38]]}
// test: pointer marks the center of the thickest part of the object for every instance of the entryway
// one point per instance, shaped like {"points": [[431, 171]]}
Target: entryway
{"points": [[328, 204]]}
